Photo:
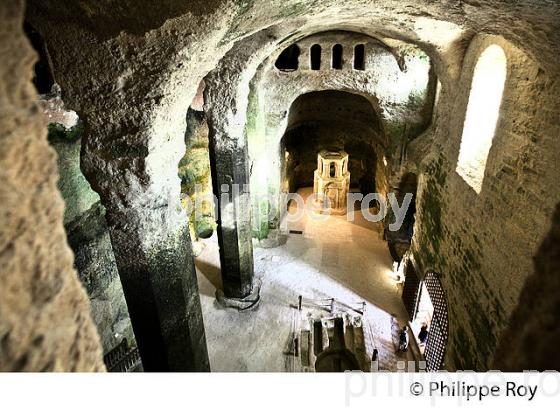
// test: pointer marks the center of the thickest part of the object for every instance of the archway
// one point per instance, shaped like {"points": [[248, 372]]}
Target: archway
{"points": [[333, 121]]}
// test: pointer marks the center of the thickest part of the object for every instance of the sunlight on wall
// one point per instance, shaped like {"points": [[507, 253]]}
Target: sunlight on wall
{"points": [[441, 33], [482, 115]]}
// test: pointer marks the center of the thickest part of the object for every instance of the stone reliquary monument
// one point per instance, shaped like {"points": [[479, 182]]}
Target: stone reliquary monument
{"points": [[331, 182]]}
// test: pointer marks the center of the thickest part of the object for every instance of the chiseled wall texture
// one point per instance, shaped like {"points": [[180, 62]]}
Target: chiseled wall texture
{"points": [[535, 323], [483, 244], [45, 322]]}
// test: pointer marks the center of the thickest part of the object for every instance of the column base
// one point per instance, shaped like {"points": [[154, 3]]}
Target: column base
{"points": [[274, 239], [249, 302]]}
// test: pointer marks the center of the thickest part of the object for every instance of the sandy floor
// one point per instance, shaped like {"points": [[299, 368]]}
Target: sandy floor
{"points": [[335, 258]]}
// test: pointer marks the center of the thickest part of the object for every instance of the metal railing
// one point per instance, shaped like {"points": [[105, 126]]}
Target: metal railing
{"points": [[122, 358]]}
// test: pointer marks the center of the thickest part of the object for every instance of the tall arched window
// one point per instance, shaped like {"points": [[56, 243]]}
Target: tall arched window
{"points": [[337, 56], [482, 115], [315, 54], [288, 60], [360, 57]]}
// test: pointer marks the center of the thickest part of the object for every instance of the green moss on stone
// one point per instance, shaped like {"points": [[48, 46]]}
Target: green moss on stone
{"points": [[194, 172], [57, 132], [431, 208]]}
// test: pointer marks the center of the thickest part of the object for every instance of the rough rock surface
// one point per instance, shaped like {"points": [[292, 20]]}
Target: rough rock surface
{"points": [[196, 181], [535, 322], [45, 322], [76, 192], [53, 108], [88, 237]]}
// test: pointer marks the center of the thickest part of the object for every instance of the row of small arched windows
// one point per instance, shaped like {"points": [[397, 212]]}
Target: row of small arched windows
{"points": [[288, 60], [483, 108]]}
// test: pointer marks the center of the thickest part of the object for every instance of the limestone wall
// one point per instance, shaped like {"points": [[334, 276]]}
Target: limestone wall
{"points": [[535, 321], [396, 80], [45, 322], [483, 244]]}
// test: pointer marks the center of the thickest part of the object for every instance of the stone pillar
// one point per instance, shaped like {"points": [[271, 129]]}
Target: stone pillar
{"points": [[133, 142], [138, 184], [157, 273], [226, 103], [230, 179]]}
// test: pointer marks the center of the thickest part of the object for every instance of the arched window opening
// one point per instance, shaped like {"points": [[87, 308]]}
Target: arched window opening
{"points": [[332, 170], [482, 115], [315, 53], [360, 57], [43, 78], [288, 60], [337, 57]]}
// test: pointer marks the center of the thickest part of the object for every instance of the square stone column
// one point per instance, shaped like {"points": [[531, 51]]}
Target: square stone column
{"points": [[230, 178]]}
